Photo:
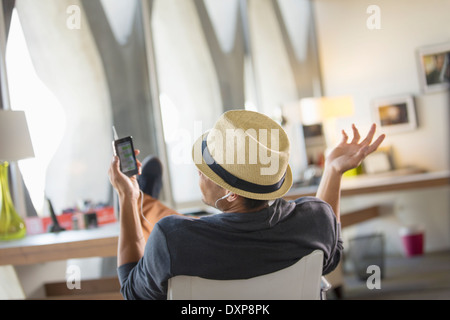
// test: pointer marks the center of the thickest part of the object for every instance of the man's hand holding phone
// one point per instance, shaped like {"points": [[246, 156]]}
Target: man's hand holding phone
{"points": [[126, 186], [131, 244]]}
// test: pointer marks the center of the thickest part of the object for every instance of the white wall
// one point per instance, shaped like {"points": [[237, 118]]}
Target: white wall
{"points": [[370, 64]]}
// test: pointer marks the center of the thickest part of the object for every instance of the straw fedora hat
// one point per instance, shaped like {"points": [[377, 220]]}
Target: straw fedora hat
{"points": [[246, 153]]}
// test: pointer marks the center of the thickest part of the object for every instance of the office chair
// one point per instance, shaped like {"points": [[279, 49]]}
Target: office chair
{"points": [[301, 281]]}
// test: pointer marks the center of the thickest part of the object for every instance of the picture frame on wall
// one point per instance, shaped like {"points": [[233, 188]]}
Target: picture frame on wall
{"points": [[395, 114], [313, 135], [379, 161], [434, 67]]}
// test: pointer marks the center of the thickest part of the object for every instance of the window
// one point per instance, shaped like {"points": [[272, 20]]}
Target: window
{"points": [[189, 92], [76, 83], [45, 116], [66, 98]]}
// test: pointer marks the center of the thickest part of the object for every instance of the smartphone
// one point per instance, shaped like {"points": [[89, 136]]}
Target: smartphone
{"points": [[124, 149]]}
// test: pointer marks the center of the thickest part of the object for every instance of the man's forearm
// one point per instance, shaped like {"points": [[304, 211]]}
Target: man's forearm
{"points": [[330, 189], [343, 157], [131, 238]]}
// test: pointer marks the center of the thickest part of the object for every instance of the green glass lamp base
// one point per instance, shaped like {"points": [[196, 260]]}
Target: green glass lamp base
{"points": [[12, 227], [8, 236]]}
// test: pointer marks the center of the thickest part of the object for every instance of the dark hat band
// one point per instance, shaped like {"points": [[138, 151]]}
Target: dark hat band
{"points": [[234, 181]]}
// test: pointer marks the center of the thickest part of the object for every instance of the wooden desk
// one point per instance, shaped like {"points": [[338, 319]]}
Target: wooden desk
{"points": [[387, 182], [100, 242], [393, 181]]}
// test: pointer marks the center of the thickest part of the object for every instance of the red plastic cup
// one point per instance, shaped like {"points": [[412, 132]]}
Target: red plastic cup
{"points": [[413, 240]]}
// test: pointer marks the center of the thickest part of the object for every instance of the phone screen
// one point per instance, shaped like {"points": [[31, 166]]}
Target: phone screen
{"points": [[125, 152]]}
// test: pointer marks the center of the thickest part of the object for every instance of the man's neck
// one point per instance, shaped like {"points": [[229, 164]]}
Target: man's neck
{"points": [[241, 208]]}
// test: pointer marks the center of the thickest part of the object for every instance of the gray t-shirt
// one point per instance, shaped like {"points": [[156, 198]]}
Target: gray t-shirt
{"points": [[229, 246]]}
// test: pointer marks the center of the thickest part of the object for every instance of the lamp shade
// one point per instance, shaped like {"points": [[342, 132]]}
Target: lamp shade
{"points": [[15, 141], [316, 110]]}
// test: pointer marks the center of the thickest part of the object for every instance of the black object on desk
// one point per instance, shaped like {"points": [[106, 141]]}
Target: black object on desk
{"points": [[54, 227]]}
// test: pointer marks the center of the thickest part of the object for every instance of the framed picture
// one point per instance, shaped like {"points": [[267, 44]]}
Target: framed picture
{"points": [[434, 67], [379, 161], [313, 135], [395, 114]]}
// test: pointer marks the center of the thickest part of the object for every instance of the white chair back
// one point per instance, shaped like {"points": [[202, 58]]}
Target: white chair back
{"points": [[300, 281]]}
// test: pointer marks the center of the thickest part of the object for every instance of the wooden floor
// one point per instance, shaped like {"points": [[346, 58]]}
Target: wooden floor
{"points": [[425, 277]]}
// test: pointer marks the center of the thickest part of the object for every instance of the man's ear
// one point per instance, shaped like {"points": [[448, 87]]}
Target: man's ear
{"points": [[232, 197]]}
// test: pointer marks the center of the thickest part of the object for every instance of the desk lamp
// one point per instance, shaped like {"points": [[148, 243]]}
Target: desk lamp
{"points": [[326, 110], [15, 145]]}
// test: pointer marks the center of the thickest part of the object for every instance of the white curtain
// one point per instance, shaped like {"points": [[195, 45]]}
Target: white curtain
{"points": [[68, 62], [190, 93]]}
